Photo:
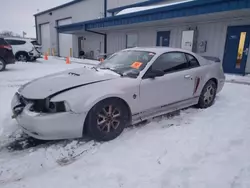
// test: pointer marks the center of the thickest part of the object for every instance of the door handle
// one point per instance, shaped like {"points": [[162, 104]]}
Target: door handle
{"points": [[188, 76], [246, 51]]}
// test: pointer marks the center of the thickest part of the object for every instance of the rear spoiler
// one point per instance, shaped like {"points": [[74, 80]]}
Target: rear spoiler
{"points": [[210, 58]]}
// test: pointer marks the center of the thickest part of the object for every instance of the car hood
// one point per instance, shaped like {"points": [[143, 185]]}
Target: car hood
{"points": [[51, 85]]}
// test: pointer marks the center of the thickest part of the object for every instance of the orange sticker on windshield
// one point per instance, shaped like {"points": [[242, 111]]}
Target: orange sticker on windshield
{"points": [[136, 65]]}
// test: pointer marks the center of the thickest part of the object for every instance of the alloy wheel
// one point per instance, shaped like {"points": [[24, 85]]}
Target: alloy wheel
{"points": [[22, 58], [108, 119], [209, 94]]}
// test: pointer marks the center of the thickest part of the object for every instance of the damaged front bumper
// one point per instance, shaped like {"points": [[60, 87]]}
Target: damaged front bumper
{"points": [[47, 126]]}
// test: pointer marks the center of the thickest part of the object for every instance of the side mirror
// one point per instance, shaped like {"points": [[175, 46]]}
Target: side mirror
{"points": [[155, 73]]}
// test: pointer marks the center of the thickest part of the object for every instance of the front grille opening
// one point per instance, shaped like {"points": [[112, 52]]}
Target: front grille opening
{"points": [[39, 106]]}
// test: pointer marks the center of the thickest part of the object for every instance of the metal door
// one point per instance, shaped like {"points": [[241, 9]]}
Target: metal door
{"points": [[65, 40], [236, 49], [45, 38], [168, 89]]}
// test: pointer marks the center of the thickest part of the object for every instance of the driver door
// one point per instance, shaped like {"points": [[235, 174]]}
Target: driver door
{"points": [[177, 84]]}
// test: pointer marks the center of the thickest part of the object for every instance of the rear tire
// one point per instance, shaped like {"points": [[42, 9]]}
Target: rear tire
{"points": [[2, 65], [22, 56], [107, 119], [208, 95]]}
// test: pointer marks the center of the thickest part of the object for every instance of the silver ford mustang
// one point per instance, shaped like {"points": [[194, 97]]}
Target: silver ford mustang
{"points": [[130, 86]]}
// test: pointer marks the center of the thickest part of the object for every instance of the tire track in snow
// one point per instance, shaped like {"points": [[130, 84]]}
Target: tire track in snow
{"points": [[57, 154], [60, 154], [237, 82]]}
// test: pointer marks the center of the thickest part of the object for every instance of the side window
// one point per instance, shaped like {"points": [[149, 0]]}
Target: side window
{"points": [[9, 41], [15, 42], [192, 61], [20, 42], [170, 62]]}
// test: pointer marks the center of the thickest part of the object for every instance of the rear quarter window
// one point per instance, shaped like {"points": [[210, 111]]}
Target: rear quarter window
{"points": [[192, 61]]}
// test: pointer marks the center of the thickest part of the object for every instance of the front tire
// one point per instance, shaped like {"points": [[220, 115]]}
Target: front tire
{"points": [[107, 119], [208, 95], [2, 65]]}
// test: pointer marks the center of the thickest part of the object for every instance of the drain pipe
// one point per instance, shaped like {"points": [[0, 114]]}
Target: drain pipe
{"points": [[105, 8]]}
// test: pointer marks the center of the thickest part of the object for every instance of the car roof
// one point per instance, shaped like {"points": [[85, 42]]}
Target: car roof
{"points": [[159, 49], [16, 38]]}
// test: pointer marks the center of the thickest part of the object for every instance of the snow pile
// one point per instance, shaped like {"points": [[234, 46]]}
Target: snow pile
{"points": [[76, 60], [195, 149], [138, 9], [238, 79]]}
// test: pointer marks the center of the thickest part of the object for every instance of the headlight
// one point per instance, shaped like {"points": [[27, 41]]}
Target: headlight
{"points": [[61, 106]]}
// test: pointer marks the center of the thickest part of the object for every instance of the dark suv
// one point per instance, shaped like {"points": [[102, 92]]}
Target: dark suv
{"points": [[6, 54]]}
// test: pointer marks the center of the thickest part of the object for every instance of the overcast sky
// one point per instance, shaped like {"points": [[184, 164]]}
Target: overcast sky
{"points": [[17, 15]]}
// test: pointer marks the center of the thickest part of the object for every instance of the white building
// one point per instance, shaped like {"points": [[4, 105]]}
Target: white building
{"points": [[219, 28]]}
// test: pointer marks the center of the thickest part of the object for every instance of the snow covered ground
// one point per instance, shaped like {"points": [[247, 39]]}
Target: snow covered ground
{"points": [[195, 149], [238, 79]]}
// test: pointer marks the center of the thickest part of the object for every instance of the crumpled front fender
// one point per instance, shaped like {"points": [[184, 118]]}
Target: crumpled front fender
{"points": [[82, 103], [84, 98]]}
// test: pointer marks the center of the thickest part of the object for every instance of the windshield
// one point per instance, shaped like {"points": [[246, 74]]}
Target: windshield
{"points": [[126, 61]]}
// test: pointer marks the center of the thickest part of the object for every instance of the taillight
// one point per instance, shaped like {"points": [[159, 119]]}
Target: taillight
{"points": [[8, 47]]}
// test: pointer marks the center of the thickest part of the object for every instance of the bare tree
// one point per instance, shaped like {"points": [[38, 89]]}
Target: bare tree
{"points": [[9, 34]]}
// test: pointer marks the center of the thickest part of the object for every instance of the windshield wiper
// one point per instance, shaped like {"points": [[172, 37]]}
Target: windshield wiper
{"points": [[117, 72]]}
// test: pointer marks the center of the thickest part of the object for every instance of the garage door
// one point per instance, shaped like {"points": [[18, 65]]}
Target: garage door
{"points": [[65, 40], [45, 38]]}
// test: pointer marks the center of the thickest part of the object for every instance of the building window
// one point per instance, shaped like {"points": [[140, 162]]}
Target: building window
{"points": [[131, 40]]}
